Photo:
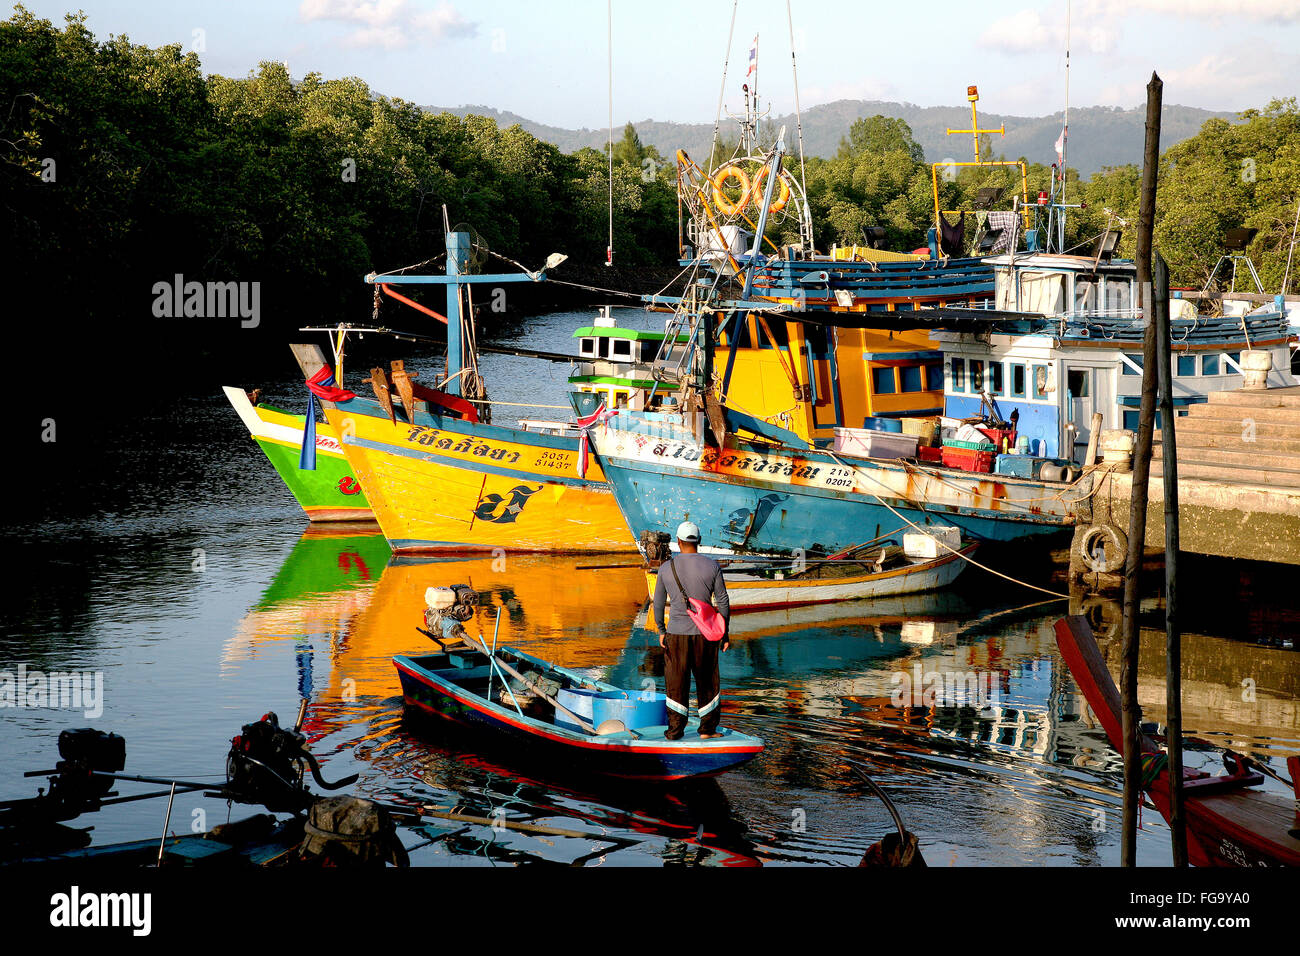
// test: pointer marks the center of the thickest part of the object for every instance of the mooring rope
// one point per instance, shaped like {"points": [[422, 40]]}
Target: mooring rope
{"points": [[942, 544]]}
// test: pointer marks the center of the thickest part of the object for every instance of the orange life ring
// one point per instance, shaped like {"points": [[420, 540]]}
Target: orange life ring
{"points": [[783, 196], [720, 179]]}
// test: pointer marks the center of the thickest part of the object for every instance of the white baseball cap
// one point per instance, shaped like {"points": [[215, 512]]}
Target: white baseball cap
{"points": [[689, 532]]}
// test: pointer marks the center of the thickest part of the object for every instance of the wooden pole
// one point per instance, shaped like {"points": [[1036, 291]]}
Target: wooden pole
{"points": [[1132, 711], [1094, 435], [1173, 635]]}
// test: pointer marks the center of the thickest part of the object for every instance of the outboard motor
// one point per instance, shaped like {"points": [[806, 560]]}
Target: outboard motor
{"points": [[446, 609], [75, 789], [655, 547], [266, 765]]}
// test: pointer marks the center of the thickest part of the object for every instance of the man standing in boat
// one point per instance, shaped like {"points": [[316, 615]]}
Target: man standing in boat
{"points": [[687, 650]]}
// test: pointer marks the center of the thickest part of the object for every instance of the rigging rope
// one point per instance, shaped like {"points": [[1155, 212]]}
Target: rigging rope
{"points": [[722, 92], [943, 544], [798, 117]]}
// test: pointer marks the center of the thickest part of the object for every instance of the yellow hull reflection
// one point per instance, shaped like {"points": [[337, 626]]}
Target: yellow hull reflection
{"points": [[574, 618]]}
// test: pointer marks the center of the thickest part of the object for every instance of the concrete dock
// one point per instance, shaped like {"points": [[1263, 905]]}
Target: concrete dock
{"points": [[1238, 479]]}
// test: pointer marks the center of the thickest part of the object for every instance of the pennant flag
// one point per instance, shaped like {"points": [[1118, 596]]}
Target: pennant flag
{"points": [[1060, 148], [321, 384], [753, 57]]}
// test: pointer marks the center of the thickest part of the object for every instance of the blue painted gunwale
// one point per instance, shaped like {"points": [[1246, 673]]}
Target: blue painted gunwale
{"points": [[617, 755], [656, 497]]}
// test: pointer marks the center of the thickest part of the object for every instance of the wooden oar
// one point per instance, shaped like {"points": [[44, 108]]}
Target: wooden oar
{"points": [[580, 721]]}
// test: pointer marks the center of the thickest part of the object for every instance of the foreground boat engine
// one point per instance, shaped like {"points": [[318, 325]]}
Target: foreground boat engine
{"points": [[266, 766]]}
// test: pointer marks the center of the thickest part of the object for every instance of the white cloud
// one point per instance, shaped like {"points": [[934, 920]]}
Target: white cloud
{"points": [[1021, 32], [391, 24], [1226, 77], [1268, 11]]}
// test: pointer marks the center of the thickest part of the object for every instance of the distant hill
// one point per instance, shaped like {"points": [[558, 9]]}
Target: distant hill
{"points": [[1099, 135]]}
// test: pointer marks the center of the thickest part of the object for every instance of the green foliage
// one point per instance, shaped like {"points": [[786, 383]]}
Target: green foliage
{"points": [[1245, 174], [309, 185]]}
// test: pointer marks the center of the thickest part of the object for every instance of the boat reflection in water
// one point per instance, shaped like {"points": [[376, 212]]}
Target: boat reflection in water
{"points": [[1004, 768], [325, 583]]}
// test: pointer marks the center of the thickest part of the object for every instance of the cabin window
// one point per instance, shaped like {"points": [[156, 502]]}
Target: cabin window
{"points": [[1077, 382], [995, 378], [1017, 381], [620, 398], [1209, 364], [587, 347], [602, 347], [1042, 292], [882, 381], [958, 375], [621, 348], [742, 337], [1085, 294], [1187, 365], [910, 378], [1136, 359], [976, 376], [1133, 418], [1040, 381], [779, 332], [1236, 358], [934, 377], [1119, 295], [818, 341]]}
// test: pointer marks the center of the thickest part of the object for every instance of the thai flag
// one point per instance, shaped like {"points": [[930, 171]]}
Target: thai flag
{"points": [[753, 58]]}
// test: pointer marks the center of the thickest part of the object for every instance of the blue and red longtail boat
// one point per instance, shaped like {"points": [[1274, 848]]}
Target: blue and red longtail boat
{"points": [[459, 685]]}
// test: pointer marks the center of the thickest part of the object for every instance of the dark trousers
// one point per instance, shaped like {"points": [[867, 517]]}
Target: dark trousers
{"points": [[686, 655]]}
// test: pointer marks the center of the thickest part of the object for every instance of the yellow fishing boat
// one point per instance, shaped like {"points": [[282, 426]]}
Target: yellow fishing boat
{"points": [[445, 484]]}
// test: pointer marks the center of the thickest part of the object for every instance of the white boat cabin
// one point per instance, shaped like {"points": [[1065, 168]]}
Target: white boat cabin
{"points": [[1074, 347]]}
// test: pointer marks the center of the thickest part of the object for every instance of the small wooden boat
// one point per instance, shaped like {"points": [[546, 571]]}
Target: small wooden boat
{"points": [[455, 684], [753, 587], [1229, 821], [331, 492]]}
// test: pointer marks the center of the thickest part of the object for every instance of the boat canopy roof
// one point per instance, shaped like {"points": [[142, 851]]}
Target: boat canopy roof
{"points": [[1063, 263], [614, 332]]}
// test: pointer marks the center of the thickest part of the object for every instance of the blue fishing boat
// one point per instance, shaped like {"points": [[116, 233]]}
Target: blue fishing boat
{"points": [[456, 685]]}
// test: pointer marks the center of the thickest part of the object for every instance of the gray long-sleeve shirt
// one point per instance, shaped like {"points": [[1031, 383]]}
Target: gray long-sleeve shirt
{"points": [[702, 578]]}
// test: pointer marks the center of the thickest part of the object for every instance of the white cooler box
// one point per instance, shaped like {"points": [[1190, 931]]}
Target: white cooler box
{"points": [[925, 545], [870, 443]]}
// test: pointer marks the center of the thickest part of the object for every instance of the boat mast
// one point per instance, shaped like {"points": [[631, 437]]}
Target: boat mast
{"points": [[609, 250], [805, 218]]}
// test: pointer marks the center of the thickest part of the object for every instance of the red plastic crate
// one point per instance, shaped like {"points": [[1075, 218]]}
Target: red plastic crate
{"points": [[996, 435], [968, 459], [929, 453]]}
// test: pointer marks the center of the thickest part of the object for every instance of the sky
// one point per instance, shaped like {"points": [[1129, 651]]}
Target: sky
{"points": [[547, 60]]}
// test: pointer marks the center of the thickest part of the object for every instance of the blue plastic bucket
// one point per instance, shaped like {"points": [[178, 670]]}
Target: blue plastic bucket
{"points": [[883, 424], [634, 708], [578, 701]]}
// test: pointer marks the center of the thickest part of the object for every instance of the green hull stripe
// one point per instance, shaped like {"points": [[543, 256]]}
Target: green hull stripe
{"points": [[321, 488]]}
